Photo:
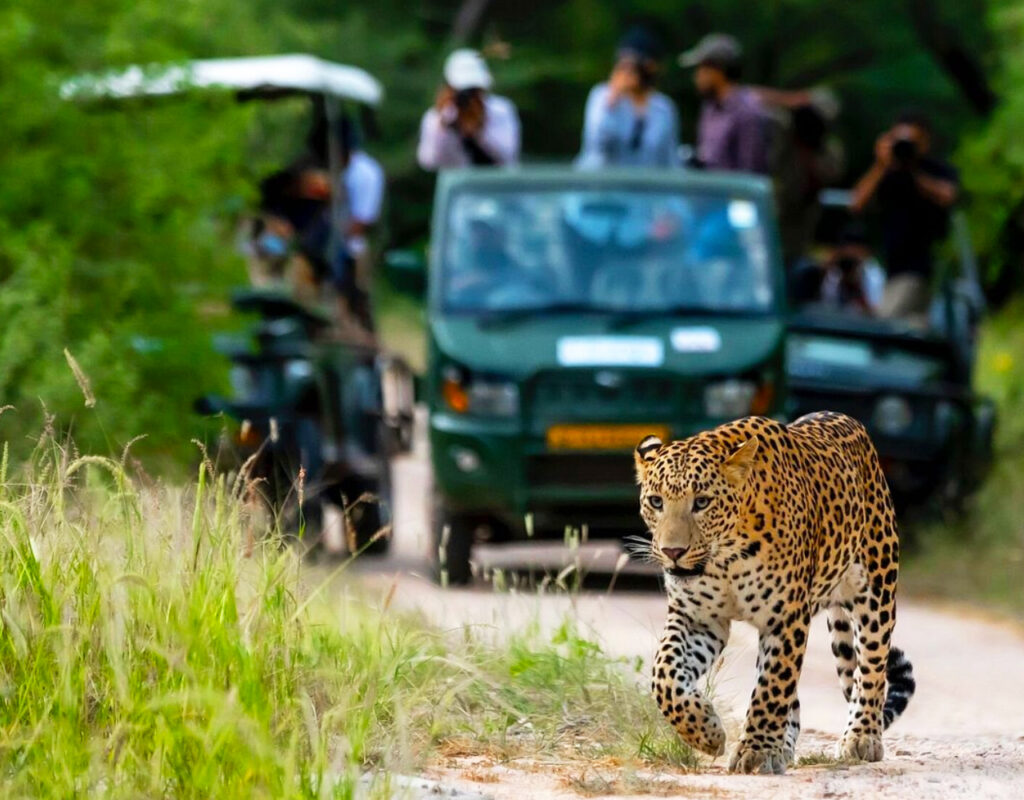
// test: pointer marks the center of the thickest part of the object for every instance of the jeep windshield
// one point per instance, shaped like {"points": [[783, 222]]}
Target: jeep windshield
{"points": [[625, 251], [837, 359]]}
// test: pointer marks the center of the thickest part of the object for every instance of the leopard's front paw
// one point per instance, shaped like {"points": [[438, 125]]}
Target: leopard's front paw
{"points": [[696, 722], [758, 759], [708, 736], [860, 747]]}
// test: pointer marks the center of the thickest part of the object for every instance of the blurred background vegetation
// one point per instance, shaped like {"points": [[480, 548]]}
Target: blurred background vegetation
{"points": [[117, 227]]}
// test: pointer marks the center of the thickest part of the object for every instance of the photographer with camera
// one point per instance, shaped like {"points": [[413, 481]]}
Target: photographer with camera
{"points": [[914, 193], [468, 126], [627, 122]]}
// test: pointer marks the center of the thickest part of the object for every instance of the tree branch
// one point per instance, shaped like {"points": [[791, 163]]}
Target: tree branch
{"points": [[962, 67], [468, 19], [842, 62]]}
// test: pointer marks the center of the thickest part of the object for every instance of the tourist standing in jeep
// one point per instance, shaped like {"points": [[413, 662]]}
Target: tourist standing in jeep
{"points": [[627, 121], [915, 192], [732, 133], [468, 125]]}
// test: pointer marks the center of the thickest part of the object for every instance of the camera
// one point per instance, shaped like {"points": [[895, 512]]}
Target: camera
{"points": [[465, 97], [640, 67], [904, 152]]}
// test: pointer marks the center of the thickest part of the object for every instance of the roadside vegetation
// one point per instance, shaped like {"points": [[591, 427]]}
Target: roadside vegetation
{"points": [[154, 643], [979, 557]]}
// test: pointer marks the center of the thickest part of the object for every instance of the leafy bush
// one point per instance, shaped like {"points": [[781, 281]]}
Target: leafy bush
{"points": [[114, 235], [991, 162], [991, 531]]}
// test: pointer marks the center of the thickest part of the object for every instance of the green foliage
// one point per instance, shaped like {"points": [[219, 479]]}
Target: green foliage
{"points": [[991, 531], [992, 159], [112, 227], [117, 223], [151, 646]]}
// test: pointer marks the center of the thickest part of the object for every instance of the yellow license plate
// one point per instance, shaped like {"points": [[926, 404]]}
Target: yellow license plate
{"points": [[602, 437]]}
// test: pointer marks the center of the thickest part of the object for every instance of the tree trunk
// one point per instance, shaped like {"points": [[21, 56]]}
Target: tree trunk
{"points": [[963, 67], [468, 19]]}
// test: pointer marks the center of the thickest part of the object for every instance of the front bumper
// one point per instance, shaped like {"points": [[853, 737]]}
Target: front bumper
{"points": [[496, 469], [940, 443]]}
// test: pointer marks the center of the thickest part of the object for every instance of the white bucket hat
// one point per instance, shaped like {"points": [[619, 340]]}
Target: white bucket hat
{"points": [[466, 69]]}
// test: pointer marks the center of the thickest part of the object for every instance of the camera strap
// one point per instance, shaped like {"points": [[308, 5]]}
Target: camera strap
{"points": [[476, 154], [637, 137]]}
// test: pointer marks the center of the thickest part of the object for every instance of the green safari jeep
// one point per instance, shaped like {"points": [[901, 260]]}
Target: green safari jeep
{"points": [[572, 312]]}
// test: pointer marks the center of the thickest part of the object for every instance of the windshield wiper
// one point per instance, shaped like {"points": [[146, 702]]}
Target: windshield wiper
{"points": [[635, 317], [506, 316], [619, 317]]}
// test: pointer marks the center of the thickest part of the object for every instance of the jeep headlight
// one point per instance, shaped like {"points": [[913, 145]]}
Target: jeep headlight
{"points": [[893, 415], [487, 397], [729, 399], [243, 382], [297, 369], [493, 398]]}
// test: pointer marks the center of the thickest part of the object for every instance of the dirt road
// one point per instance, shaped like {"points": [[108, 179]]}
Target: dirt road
{"points": [[962, 736]]}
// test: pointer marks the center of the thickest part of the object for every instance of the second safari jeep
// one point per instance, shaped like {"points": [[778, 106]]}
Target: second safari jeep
{"points": [[569, 314]]}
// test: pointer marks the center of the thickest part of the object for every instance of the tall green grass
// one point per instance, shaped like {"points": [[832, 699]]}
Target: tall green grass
{"points": [[155, 642]]}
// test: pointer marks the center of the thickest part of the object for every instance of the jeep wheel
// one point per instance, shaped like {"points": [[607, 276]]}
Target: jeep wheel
{"points": [[365, 519], [451, 542]]}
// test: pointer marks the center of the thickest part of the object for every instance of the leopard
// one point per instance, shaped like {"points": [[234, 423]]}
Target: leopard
{"points": [[769, 524]]}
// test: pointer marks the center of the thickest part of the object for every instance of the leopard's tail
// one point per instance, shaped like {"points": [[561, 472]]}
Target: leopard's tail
{"points": [[899, 674]]}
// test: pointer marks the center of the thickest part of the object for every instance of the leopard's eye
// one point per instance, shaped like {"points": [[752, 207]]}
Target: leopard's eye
{"points": [[701, 502], [656, 502]]}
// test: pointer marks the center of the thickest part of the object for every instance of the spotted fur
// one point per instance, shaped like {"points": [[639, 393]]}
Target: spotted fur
{"points": [[770, 524]]}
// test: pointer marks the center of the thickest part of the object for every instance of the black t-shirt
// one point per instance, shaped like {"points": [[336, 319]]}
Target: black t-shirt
{"points": [[911, 223]]}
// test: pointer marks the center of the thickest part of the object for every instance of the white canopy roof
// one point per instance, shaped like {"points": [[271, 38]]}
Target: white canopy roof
{"points": [[295, 73]]}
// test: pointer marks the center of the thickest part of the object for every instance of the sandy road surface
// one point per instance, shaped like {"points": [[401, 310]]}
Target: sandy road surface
{"points": [[962, 735]]}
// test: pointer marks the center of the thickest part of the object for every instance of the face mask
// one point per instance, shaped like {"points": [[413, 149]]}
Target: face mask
{"points": [[271, 245]]}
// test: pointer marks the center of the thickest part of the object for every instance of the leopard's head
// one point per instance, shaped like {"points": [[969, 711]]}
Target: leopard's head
{"points": [[690, 498]]}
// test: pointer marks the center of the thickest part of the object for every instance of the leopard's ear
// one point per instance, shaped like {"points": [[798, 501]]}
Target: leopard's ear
{"points": [[738, 465], [645, 454]]}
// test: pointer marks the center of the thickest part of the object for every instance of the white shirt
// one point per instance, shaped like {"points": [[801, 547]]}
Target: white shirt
{"points": [[364, 187], [363, 181], [441, 147]]}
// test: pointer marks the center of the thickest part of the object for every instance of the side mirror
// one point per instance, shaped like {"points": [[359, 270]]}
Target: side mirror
{"points": [[406, 270]]}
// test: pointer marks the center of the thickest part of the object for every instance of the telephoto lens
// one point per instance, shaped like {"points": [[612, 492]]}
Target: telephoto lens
{"points": [[904, 151], [464, 97]]}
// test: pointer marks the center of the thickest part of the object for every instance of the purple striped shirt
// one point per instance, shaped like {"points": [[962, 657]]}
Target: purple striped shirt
{"points": [[733, 134]]}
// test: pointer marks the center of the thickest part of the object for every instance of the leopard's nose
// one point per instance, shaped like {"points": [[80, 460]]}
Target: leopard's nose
{"points": [[673, 553]]}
